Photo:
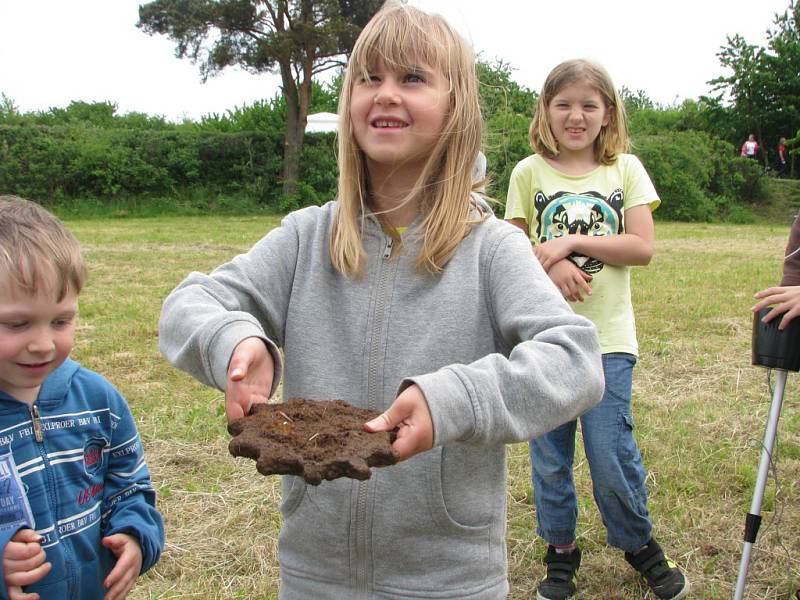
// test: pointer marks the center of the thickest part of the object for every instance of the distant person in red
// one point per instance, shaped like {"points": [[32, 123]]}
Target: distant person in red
{"points": [[785, 299], [782, 157], [750, 147]]}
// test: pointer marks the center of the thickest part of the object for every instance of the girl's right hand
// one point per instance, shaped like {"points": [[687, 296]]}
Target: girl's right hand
{"points": [[24, 563], [570, 280], [250, 375]]}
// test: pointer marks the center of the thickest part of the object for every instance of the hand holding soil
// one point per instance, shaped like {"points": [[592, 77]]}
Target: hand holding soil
{"points": [[250, 375], [410, 417]]}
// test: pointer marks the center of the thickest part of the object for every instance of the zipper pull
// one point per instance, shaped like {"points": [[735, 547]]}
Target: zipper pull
{"points": [[388, 252], [37, 424]]}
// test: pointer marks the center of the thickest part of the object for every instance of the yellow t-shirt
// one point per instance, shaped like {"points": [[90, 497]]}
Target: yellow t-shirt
{"points": [[554, 204]]}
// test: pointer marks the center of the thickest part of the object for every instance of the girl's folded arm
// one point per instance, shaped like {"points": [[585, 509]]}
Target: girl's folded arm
{"points": [[634, 247]]}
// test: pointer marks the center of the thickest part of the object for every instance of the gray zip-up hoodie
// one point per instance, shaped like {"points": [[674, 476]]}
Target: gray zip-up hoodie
{"points": [[496, 350]]}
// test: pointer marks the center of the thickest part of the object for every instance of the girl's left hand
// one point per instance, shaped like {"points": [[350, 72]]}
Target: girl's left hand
{"points": [[552, 251], [786, 300], [570, 280], [410, 414]]}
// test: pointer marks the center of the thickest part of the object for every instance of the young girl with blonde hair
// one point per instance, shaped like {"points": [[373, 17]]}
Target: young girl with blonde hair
{"points": [[406, 296], [586, 205]]}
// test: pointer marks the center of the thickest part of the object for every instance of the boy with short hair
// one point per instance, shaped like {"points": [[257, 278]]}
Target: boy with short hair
{"points": [[77, 508]]}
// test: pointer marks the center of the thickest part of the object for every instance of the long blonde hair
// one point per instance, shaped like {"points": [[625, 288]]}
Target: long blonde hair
{"points": [[38, 254], [613, 138], [402, 36]]}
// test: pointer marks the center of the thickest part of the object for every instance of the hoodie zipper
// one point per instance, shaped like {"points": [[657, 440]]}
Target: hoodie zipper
{"points": [[37, 424], [387, 253], [52, 498], [362, 577]]}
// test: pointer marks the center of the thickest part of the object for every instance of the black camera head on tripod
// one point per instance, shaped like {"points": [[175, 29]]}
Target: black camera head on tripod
{"points": [[773, 347]]}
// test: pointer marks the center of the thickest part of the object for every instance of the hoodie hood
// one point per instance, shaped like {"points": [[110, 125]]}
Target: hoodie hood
{"points": [[58, 382], [55, 386]]}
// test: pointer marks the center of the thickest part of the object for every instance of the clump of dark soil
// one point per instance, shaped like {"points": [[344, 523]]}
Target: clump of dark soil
{"points": [[314, 439]]}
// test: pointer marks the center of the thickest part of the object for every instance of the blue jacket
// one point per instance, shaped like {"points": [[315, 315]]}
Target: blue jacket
{"points": [[81, 462]]}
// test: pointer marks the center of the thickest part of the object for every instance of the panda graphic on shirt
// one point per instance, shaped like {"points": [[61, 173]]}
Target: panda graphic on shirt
{"points": [[586, 213]]}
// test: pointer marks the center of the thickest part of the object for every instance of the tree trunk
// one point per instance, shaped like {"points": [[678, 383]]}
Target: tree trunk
{"points": [[298, 99], [292, 151], [293, 139]]}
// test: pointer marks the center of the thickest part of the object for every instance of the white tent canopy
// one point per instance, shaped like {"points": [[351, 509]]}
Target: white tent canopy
{"points": [[323, 122]]}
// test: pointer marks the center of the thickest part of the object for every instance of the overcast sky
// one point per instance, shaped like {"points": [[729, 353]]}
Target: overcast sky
{"points": [[56, 51]]}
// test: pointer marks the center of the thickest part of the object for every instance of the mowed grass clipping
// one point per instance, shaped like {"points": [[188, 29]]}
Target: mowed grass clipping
{"points": [[700, 409]]}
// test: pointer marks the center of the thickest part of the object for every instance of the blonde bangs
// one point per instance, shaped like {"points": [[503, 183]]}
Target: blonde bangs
{"points": [[404, 38]]}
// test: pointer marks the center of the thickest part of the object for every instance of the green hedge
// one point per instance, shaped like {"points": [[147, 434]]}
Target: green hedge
{"points": [[54, 163], [699, 177]]}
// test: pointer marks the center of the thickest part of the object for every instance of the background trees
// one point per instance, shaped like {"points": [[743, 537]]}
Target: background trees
{"points": [[88, 155], [298, 39], [762, 92]]}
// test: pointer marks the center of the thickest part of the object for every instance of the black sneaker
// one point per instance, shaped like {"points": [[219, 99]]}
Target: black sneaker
{"points": [[661, 574], [562, 572]]}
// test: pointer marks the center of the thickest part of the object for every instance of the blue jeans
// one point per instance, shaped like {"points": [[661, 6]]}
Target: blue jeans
{"points": [[618, 475]]}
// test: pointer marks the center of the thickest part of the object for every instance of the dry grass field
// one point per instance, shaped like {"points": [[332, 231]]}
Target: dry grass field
{"points": [[700, 410]]}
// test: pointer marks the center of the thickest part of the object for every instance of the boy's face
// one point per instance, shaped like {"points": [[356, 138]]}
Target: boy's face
{"points": [[36, 337]]}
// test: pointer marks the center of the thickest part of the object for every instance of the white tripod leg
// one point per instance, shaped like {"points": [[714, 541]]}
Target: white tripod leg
{"points": [[753, 520]]}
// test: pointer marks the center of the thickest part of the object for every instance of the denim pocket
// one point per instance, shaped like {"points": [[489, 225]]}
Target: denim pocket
{"points": [[626, 445]]}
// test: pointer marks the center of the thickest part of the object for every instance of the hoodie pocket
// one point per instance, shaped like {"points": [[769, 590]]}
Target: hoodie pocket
{"points": [[466, 494], [432, 531], [315, 540], [293, 490]]}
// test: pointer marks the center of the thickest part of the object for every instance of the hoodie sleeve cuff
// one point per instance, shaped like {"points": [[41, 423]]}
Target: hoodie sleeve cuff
{"points": [[453, 412], [224, 343]]}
